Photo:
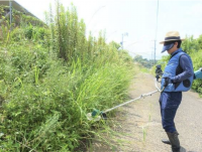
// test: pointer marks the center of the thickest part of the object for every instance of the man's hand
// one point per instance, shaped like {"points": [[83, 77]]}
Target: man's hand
{"points": [[167, 81]]}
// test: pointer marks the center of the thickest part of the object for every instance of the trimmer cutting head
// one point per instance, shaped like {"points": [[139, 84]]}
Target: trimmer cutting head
{"points": [[96, 115]]}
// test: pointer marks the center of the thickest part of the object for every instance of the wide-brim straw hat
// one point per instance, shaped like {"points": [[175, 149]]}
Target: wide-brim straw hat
{"points": [[172, 36]]}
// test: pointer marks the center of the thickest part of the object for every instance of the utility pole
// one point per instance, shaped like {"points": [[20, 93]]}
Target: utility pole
{"points": [[124, 34], [157, 11], [10, 4]]}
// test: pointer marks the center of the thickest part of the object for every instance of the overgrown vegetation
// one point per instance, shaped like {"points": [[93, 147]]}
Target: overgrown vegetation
{"points": [[51, 77]]}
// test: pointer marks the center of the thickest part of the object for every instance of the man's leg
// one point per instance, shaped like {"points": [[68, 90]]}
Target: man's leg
{"points": [[169, 103]]}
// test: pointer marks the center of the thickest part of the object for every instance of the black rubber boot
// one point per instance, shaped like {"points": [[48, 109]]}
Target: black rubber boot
{"points": [[175, 143], [167, 141]]}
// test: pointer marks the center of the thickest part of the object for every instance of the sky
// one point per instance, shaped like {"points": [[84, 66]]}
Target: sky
{"points": [[138, 23]]}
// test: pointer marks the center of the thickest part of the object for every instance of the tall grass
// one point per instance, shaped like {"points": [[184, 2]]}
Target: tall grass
{"points": [[51, 78]]}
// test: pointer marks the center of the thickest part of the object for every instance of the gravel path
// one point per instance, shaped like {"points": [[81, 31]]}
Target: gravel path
{"points": [[141, 122]]}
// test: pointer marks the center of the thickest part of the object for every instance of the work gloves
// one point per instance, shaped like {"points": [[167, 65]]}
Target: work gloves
{"points": [[167, 81]]}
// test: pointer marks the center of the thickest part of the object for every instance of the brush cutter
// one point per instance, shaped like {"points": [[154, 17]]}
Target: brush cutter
{"points": [[96, 115]]}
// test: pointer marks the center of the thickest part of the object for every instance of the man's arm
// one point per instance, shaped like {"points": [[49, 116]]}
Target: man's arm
{"points": [[187, 70]]}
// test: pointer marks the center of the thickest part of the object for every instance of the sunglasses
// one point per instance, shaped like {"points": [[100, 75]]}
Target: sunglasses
{"points": [[168, 43]]}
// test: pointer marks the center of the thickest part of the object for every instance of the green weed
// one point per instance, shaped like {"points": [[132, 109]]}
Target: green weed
{"points": [[51, 77]]}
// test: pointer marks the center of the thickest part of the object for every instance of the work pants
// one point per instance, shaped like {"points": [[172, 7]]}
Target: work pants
{"points": [[169, 103]]}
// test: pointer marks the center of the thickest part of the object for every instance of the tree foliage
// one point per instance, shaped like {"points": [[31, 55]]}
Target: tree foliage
{"points": [[143, 61]]}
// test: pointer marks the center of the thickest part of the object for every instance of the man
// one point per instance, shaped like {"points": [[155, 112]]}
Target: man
{"points": [[177, 77]]}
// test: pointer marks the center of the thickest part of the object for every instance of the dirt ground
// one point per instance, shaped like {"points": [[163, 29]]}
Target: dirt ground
{"points": [[140, 121]]}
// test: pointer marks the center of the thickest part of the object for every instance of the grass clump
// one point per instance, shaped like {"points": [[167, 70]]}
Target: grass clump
{"points": [[51, 78]]}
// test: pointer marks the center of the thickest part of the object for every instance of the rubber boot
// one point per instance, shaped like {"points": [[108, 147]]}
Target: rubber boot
{"points": [[167, 141], [175, 143]]}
